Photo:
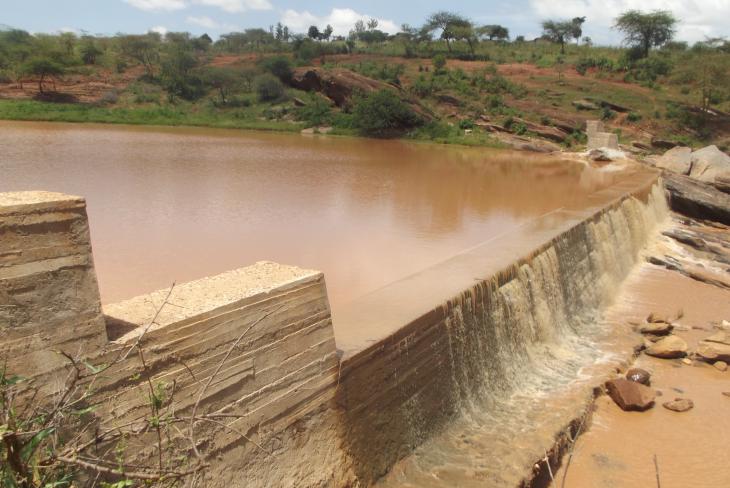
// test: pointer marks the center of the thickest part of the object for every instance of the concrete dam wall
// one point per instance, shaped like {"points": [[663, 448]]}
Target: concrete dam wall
{"points": [[317, 404]]}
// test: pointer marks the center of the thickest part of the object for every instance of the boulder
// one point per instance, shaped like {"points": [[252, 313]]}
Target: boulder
{"points": [[663, 144], [720, 366], [585, 105], [713, 351], [599, 155], [710, 165], [641, 145], [679, 405], [630, 395], [697, 200], [657, 328], [671, 347], [677, 160], [298, 102], [638, 375]]}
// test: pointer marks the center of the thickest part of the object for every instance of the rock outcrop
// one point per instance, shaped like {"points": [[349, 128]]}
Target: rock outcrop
{"points": [[630, 395], [340, 85], [697, 200], [708, 165]]}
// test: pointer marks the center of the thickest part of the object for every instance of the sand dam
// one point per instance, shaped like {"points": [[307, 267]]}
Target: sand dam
{"points": [[311, 311]]}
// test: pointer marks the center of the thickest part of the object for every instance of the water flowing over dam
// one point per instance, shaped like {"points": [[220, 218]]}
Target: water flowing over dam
{"points": [[461, 366], [511, 338]]}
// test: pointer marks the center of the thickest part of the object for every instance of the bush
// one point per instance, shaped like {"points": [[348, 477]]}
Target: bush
{"points": [[439, 62], [383, 113], [633, 117], [268, 88], [279, 66], [466, 124], [316, 112], [607, 114]]}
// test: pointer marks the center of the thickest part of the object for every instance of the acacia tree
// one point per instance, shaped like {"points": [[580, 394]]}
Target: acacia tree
{"points": [[452, 27], [646, 30], [562, 31], [42, 67], [493, 32]]}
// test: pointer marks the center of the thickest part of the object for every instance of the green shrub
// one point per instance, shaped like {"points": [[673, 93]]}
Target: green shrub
{"points": [[316, 112], [268, 88], [466, 124], [439, 62], [279, 66], [607, 114], [383, 113], [633, 117]]}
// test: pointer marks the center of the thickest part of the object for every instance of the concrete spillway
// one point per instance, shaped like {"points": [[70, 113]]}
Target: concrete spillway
{"points": [[474, 360], [456, 375]]}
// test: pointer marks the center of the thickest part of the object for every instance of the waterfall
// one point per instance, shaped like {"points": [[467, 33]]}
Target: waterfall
{"points": [[479, 368]]}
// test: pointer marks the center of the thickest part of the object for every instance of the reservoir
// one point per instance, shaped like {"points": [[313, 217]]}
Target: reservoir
{"points": [[176, 204]]}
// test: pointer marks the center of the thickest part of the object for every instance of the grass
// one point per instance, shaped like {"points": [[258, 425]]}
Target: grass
{"points": [[184, 114]]}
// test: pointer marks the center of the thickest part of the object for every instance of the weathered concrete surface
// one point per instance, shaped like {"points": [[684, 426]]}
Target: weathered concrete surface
{"points": [[281, 376], [49, 298]]}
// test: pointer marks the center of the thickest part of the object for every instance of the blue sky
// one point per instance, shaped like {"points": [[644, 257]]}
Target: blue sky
{"points": [[700, 18]]}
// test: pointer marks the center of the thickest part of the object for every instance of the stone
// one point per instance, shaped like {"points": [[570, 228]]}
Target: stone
{"points": [[679, 405], [299, 102], [656, 328], [599, 155], [677, 160], [655, 317], [584, 105], [720, 366], [710, 164], [687, 361], [630, 395], [726, 393], [721, 337], [670, 347], [713, 351], [663, 144], [638, 375]]}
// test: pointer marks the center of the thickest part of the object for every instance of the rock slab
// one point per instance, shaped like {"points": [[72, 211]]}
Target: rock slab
{"points": [[671, 347], [630, 395]]}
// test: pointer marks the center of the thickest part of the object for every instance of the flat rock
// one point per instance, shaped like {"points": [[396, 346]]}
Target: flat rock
{"points": [[720, 366], [722, 337], [585, 105], [599, 155], [697, 200], [663, 144], [713, 351], [670, 347], [679, 405], [656, 328], [677, 160], [638, 375], [630, 395]]}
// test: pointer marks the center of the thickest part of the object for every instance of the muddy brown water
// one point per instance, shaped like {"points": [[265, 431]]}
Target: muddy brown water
{"points": [[179, 204]]}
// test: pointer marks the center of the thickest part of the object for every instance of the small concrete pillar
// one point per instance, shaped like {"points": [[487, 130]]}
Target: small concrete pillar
{"points": [[593, 127], [49, 296]]}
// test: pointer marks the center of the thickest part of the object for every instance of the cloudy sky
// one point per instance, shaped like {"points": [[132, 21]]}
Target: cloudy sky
{"points": [[699, 18]]}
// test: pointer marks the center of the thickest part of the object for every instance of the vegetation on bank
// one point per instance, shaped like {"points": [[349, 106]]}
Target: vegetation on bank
{"points": [[460, 71]]}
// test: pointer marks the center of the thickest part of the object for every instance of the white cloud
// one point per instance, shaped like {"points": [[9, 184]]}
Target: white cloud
{"points": [[160, 29], [697, 18], [150, 5], [203, 21], [231, 6], [235, 6], [342, 21]]}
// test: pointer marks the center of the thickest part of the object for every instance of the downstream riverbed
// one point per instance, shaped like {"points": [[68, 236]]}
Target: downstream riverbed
{"points": [[178, 204]]}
